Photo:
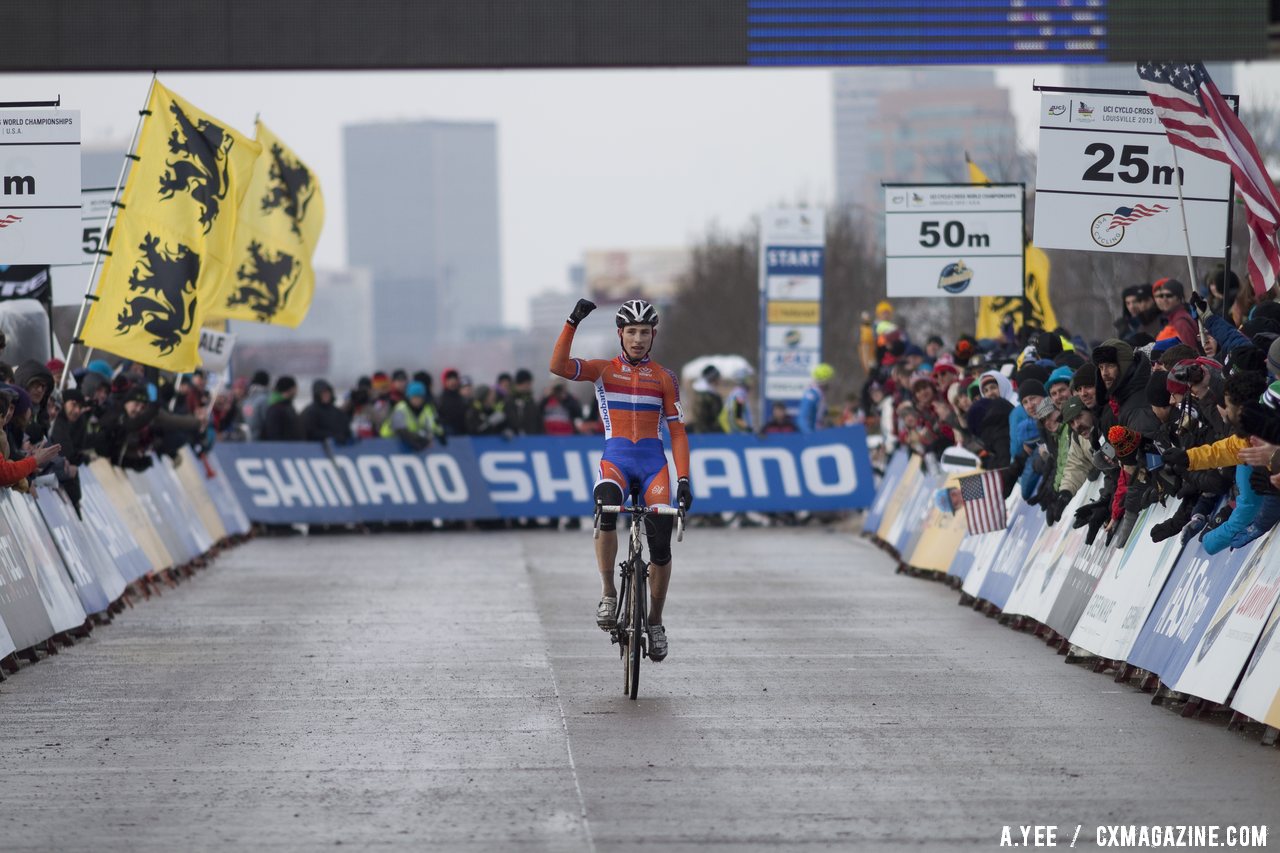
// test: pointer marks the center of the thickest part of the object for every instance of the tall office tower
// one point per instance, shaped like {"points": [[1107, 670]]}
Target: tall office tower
{"points": [[916, 124], [422, 216]]}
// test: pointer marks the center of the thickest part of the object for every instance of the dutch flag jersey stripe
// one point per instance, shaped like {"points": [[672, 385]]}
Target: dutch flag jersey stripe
{"points": [[621, 397]]}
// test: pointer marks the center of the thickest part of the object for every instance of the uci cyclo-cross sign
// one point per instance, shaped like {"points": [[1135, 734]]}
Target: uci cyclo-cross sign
{"points": [[1107, 182]]}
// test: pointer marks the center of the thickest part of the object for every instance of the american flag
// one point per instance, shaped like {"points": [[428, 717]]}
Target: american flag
{"points": [[983, 502], [1129, 215], [1197, 118], [9, 220]]}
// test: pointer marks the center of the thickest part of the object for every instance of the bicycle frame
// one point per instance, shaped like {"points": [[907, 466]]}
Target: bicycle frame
{"points": [[631, 630]]}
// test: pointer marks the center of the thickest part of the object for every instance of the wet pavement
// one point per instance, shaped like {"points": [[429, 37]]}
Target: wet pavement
{"points": [[449, 691]]}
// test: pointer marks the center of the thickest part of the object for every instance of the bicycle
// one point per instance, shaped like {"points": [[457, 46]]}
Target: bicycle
{"points": [[630, 633]]}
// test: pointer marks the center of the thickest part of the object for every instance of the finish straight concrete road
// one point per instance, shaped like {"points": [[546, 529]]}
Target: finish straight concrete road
{"points": [[450, 691]]}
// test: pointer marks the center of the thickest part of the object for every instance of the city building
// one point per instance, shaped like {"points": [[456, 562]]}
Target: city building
{"points": [[423, 218], [916, 124]]}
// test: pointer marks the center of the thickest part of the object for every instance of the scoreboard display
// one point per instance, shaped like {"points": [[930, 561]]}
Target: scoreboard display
{"points": [[998, 32], [912, 32], [61, 35]]}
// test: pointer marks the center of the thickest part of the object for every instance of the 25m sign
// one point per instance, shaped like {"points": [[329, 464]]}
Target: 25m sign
{"points": [[1107, 181]]}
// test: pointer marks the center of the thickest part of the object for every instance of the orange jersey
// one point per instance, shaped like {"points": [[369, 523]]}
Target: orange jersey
{"points": [[633, 398]]}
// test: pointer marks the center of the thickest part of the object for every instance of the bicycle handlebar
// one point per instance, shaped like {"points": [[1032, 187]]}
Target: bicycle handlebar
{"points": [[661, 509]]}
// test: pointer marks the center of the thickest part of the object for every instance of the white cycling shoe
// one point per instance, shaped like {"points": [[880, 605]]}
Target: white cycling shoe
{"points": [[607, 613], [657, 642]]}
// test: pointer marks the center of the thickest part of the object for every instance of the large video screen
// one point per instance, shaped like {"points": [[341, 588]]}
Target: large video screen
{"points": [[318, 34]]}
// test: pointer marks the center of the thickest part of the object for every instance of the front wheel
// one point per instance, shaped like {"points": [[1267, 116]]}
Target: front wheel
{"points": [[637, 619]]}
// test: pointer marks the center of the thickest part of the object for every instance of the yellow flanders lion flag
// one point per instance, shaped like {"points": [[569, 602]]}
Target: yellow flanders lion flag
{"points": [[993, 309], [276, 233], [173, 235]]}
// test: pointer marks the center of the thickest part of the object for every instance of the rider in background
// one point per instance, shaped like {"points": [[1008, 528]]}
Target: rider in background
{"points": [[634, 394], [813, 405], [736, 414]]}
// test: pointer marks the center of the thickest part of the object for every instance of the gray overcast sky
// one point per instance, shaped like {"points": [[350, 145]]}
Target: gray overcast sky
{"points": [[587, 159]]}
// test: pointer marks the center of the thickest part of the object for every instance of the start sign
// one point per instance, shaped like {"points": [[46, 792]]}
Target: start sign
{"points": [[953, 239], [1107, 181]]}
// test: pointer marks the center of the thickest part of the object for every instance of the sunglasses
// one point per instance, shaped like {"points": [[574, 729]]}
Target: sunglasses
{"points": [[1163, 295]]}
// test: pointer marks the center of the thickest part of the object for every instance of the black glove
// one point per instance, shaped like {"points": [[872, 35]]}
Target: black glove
{"points": [[1197, 304], [1176, 458], [684, 494], [1219, 519], [580, 311], [1057, 506], [1085, 513], [1138, 497], [1095, 524]]}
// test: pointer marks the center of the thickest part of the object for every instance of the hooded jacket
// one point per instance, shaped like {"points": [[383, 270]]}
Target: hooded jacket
{"points": [[281, 422], [1127, 404], [988, 421], [1179, 324], [324, 421], [28, 372]]}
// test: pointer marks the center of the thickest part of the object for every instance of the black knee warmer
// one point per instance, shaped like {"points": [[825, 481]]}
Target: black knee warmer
{"points": [[659, 531], [608, 493]]}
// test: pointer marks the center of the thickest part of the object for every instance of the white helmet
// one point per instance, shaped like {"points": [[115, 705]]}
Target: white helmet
{"points": [[636, 312]]}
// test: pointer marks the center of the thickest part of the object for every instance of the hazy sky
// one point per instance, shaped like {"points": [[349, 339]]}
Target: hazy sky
{"points": [[587, 159]]}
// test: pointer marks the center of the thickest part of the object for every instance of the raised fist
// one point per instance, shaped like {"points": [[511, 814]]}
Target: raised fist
{"points": [[580, 311]]}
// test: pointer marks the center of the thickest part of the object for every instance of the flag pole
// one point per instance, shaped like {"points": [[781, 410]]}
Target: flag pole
{"points": [[106, 231], [1186, 236]]}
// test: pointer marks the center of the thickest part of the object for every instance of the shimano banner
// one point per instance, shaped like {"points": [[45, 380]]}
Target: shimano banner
{"points": [[476, 478]]}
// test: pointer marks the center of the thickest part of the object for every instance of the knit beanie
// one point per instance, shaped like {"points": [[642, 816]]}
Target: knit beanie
{"points": [[1038, 372], [1271, 397], [1181, 352], [1086, 376], [1245, 358], [1062, 374], [1030, 388], [1273, 359], [1048, 345], [1124, 440]]}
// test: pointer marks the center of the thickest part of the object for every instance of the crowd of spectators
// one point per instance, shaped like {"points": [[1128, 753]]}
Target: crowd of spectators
{"points": [[399, 406], [1180, 405]]}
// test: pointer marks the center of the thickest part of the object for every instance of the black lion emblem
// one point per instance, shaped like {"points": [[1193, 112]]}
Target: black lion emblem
{"points": [[201, 167], [169, 277], [268, 278], [290, 188]]}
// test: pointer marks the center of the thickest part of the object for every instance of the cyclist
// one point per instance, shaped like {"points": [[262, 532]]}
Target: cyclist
{"points": [[736, 414], [634, 395], [813, 405]]}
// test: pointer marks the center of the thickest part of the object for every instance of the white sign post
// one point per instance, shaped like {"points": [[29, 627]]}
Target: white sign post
{"points": [[39, 186], [954, 239], [1107, 181]]}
